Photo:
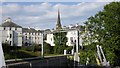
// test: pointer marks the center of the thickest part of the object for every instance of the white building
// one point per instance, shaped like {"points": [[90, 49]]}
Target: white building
{"points": [[71, 36], [50, 39], [71, 33], [12, 33], [31, 36]]}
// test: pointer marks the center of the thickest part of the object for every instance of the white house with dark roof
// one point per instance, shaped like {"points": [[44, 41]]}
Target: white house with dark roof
{"points": [[31, 36], [14, 34], [11, 33]]}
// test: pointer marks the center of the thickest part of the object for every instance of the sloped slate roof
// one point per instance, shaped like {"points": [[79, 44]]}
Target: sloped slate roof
{"points": [[10, 24], [31, 30]]}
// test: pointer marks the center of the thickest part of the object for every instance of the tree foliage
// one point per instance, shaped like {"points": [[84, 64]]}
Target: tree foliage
{"points": [[60, 40], [104, 29], [48, 49]]}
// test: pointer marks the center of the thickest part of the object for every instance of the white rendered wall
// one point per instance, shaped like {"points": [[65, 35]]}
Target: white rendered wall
{"points": [[32, 38], [15, 35], [50, 39], [73, 34]]}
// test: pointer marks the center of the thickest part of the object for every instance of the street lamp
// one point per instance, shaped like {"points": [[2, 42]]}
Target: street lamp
{"points": [[42, 54], [76, 57]]}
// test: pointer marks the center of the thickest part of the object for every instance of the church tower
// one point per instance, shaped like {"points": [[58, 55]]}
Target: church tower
{"points": [[58, 25]]}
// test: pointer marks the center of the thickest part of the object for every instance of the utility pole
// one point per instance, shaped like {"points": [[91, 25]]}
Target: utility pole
{"points": [[77, 43]]}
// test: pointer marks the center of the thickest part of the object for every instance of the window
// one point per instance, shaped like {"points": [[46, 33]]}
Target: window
{"points": [[4, 28], [10, 42], [26, 38], [71, 39], [22, 42], [15, 28], [51, 39], [75, 41], [10, 28], [10, 35], [26, 43]]}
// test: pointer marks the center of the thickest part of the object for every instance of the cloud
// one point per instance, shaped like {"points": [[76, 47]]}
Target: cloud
{"points": [[0, 12], [44, 15], [11, 8]]}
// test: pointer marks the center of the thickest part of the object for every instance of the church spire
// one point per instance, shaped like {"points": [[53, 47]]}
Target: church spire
{"points": [[58, 25]]}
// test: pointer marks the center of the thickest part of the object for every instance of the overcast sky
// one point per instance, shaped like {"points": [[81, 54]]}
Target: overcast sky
{"points": [[43, 15]]}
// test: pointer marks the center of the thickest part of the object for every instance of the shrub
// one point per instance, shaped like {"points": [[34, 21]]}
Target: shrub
{"points": [[59, 49], [69, 48], [27, 48], [47, 48]]}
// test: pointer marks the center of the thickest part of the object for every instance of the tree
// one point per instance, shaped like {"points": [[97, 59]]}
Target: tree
{"points": [[60, 40], [104, 30]]}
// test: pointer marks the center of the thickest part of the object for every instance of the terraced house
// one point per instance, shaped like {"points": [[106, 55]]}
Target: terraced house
{"points": [[14, 34]]}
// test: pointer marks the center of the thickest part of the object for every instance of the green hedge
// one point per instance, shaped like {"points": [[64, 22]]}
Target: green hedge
{"points": [[12, 52]]}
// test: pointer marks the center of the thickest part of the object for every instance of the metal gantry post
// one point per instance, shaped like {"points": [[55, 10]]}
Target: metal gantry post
{"points": [[2, 58], [100, 55], [104, 59], [42, 54]]}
